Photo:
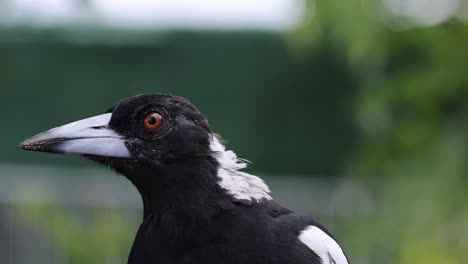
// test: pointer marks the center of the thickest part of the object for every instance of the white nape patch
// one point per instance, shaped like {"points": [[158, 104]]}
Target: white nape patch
{"points": [[323, 245], [241, 185]]}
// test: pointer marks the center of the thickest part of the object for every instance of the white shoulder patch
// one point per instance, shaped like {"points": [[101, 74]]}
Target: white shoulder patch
{"points": [[323, 245], [241, 185]]}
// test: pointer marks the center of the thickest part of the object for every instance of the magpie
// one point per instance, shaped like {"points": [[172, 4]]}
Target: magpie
{"points": [[198, 204]]}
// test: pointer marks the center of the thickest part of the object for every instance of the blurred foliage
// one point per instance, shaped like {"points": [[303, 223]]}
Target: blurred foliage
{"points": [[412, 112]]}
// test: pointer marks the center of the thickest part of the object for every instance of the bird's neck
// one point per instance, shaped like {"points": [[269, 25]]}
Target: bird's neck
{"points": [[186, 189], [197, 187]]}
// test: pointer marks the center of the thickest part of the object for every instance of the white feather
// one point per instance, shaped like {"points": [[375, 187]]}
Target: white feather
{"points": [[323, 245], [241, 185]]}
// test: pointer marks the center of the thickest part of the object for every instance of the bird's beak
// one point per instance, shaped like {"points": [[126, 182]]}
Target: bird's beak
{"points": [[90, 136]]}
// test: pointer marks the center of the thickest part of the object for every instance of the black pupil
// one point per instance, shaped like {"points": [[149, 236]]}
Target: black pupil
{"points": [[152, 120]]}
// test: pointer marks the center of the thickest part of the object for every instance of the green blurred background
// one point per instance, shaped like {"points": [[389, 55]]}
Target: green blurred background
{"points": [[355, 112]]}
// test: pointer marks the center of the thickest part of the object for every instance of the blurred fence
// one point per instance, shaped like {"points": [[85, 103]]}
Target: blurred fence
{"points": [[80, 215]]}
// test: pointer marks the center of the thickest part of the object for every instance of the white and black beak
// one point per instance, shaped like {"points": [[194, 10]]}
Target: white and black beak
{"points": [[90, 136]]}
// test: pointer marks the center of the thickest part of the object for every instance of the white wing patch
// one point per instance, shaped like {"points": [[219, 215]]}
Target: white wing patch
{"points": [[323, 245], [241, 185]]}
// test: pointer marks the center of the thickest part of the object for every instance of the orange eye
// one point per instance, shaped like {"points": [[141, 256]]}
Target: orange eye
{"points": [[153, 121]]}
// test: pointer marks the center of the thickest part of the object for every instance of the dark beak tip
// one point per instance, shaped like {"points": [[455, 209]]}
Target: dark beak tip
{"points": [[34, 144], [28, 145]]}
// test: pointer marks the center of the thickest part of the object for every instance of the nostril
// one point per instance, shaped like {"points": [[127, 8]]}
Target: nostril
{"points": [[97, 127]]}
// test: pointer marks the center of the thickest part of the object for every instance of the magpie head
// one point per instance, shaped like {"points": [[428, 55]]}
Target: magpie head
{"points": [[157, 141], [145, 128]]}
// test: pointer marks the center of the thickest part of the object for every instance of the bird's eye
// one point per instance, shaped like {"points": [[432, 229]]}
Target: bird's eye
{"points": [[153, 121]]}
